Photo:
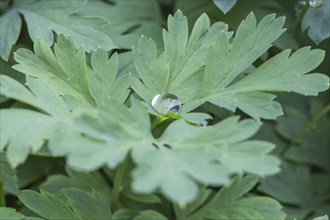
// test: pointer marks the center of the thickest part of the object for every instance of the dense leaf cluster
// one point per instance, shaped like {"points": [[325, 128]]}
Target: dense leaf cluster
{"points": [[80, 138]]}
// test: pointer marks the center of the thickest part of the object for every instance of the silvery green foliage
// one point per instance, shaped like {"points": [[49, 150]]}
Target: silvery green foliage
{"points": [[79, 110], [44, 17], [317, 21], [225, 5]]}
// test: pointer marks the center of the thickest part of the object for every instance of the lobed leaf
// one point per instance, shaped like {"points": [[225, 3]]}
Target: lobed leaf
{"points": [[221, 81], [128, 20], [186, 154], [297, 128], [61, 85], [8, 178], [80, 180], [316, 20], [10, 214], [225, 5], [44, 17], [229, 203], [46, 205], [294, 187], [34, 129], [10, 24], [181, 61], [78, 204], [87, 205], [149, 215]]}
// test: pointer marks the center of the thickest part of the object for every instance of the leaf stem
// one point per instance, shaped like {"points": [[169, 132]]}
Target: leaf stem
{"points": [[157, 121], [119, 176], [2, 197], [310, 124]]}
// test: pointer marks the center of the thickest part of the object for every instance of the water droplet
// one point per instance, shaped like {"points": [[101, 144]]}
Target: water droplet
{"points": [[315, 3], [165, 102]]}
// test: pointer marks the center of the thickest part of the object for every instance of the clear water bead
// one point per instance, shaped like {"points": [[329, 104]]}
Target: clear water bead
{"points": [[315, 3], [164, 102]]}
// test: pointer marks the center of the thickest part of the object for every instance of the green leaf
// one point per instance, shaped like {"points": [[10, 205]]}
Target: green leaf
{"points": [[46, 205], [78, 204], [34, 128], [10, 24], [82, 180], [196, 154], [104, 85], [138, 197], [290, 124], [36, 168], [61, 85], [123, 214], [293, 186], [66, 68], [280, 73], [10, 214], [87, 205], [224, 62], [303, 132], [67, 72], [317, 21], [324, 217], [146, 62], [8, 178], [44, 17], [182, 212], [181, 60], [128, 19], [229, 203], [225, 5], [150, 215]]}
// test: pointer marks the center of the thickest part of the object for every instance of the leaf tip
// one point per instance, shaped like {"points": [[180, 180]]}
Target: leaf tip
{"points": [[251, 14], [178, 12]]}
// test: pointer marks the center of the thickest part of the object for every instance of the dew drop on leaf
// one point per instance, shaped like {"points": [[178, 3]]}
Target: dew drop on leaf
{"points": [[164, 102], [315, 3]]}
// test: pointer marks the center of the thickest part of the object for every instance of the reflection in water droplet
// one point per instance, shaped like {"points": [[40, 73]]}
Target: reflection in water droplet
{"points": [[315, 3], [165, 102]]}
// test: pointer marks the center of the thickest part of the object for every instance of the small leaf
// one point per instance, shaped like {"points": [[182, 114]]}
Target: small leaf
{"points": [[87, 205], [34, 129], [10, 214], [229, 203], [293, 186], [81, 180], [150, 215], [317, 21], [297, 128], [10, 24], [103, 83], [46, 205], [225, 5], [324, 217], [61, 85], [8, 178]]}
